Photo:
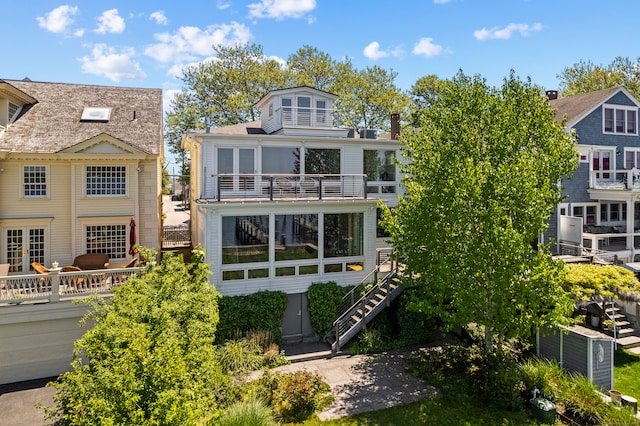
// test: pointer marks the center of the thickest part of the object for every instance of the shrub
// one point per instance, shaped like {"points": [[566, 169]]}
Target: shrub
{"points": [[263, 310], [324, 302], [239, 356], [253, 412], [299, 395]]}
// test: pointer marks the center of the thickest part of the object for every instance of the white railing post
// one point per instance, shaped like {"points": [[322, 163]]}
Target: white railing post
{"points": [[55, 284]]}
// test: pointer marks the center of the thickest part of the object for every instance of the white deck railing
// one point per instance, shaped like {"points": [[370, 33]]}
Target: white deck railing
{"points": [[616, 180], [57, 286], [273, 186]]}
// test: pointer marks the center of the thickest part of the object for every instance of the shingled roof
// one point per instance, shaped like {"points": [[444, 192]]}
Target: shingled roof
{"points": [[577, 107], [53, 123]]}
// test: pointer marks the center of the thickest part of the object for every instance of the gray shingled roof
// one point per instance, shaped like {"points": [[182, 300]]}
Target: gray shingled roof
{"points": [[577, 107], [53, 123]]}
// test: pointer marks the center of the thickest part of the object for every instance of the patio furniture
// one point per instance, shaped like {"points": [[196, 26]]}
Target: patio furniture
{"points": [[4, 271], [131, 263], [39, 268], [73, 281], [91, 261]]}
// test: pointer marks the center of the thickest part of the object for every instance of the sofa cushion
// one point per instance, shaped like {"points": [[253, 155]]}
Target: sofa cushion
{"points": [[91, 261]]}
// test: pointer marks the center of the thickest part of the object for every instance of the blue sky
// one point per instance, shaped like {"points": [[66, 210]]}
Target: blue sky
{"points": [[147, 43]]}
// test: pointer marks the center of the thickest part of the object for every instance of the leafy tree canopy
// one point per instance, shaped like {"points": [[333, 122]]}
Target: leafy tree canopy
{"points": [[223, 91], [481, 181], [150, 358], [585, 76]]}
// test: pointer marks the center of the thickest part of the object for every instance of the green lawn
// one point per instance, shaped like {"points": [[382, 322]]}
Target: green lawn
{"points": [[447, 411], [443, 411], [626, 372]]}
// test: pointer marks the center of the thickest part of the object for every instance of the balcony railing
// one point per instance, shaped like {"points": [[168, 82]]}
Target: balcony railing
{"points": [[306, 117], [57, 286], [617, 180], [289, 186]]}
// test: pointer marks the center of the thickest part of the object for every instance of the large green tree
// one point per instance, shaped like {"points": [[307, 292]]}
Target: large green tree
{"points": [[585, 76], [150, 357], [224, 91], [481, 178]]}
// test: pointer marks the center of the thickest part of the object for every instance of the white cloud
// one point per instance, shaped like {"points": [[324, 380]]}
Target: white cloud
{"points": [[506, 32], [280, 9], [426, 47], [222, 5], [110, 22], [159, 17], [188, 43], [106, 62], [441, 1], [167, 97], [58, 19], [373, 52]]}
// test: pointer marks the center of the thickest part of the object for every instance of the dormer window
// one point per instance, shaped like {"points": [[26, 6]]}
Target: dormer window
{"points": [[620, 120], [95, 114], [13, 111]]}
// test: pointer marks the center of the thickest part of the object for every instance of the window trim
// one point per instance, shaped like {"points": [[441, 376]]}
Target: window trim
{"points": [[615, 109], [86, 222], [125, 185], [24, 184]]}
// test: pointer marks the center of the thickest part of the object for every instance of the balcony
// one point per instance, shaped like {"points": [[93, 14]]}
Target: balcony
{"points": [[58, 286], [615, 180], [272, 187], [305, 117]]}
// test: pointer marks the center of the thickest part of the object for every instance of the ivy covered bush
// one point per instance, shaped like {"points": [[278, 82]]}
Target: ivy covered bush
{"points": [[263, 310], [324, 301]]}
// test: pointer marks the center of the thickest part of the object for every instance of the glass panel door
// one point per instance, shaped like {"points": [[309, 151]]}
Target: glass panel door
{"points": [[24, 245], [602, 163], [240, 163], [304, 111]]}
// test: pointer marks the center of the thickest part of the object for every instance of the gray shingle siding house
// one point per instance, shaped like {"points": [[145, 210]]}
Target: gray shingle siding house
{"points": [[601, 213]]}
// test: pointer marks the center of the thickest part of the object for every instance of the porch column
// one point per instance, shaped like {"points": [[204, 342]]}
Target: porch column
{"points": [[630, 227]]}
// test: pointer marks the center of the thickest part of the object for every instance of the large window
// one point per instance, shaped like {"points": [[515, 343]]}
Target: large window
{"points": [[245, 239], [296, 236], [379, 166], [322, 161], [35, 181], [106, 180], [620, 120], [108, 239], [280, 160], [343, 234]]}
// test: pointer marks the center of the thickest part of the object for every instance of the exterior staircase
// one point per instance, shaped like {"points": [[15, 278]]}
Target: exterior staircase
{"points": [[357, 311], [627, 335]]}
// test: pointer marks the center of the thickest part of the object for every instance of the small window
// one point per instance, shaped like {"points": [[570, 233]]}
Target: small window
{"points": [[13, 111], [106, 180], [35, 181], [96, 114]]}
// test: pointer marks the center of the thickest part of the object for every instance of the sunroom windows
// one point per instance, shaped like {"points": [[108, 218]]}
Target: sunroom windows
{"points": [[280, 245]]}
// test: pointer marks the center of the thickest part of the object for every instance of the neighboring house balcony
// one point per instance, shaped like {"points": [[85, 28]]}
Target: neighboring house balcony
{"points": [[615, 180], [270, 187]]}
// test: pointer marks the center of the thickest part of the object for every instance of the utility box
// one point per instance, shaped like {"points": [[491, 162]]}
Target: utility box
{"points": [[544, 411], [581, 350]]}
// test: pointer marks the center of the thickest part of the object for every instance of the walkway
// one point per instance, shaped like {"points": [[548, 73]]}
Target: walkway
{"points": [[359, 383]]}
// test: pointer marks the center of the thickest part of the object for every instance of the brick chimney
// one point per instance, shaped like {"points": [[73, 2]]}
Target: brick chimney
{"points": [[395, 126], [552, 94]]}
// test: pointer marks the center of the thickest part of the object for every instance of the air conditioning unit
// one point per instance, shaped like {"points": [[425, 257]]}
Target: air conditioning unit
{"points": [[367, 134]]}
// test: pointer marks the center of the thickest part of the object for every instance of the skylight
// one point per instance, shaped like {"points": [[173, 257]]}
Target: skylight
{"points": [[96, 114]]}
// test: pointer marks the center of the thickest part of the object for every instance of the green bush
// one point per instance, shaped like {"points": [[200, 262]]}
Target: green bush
{"points": [[293, 396], [263, 310], [253, 412], [239, 356], [324, 301]]}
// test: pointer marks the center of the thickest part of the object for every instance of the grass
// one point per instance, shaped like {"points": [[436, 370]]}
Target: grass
{"points": [[626, 371], [444, 411]]}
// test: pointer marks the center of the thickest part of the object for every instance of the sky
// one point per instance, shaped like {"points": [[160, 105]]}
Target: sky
{"points": [[147, 43]]}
